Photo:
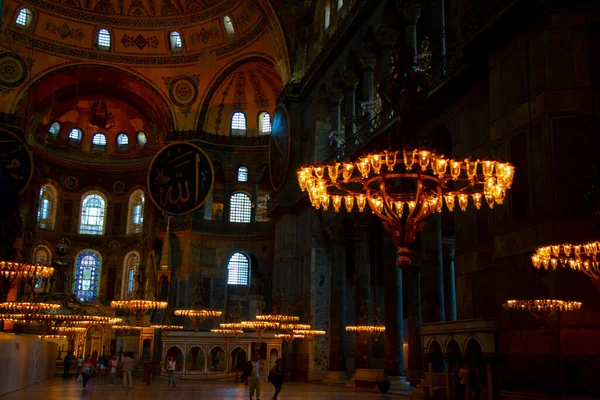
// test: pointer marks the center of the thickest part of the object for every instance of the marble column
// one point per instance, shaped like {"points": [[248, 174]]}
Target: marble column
{"points": [[412, 13], [254, 201], [387, 39], [368, 61], [336, 96], [415, 339], [227, 201], [438, 31], [350, 83], [362, 287], [432, 270], [449, 278]]}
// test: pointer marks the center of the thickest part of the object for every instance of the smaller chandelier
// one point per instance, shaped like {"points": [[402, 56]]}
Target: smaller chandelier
{"points": [[365, 331], [13, 270], [289, 337], [578, 257], [259, 326], [48, 337], [277, 318], [543, 308], [167, 327], [70, 329], [309, 334], [126, 328], [139, 307], [228, 331], [198, 316]]}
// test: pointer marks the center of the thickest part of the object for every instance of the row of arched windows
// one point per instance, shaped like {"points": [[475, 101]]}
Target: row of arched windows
{"points": [[92, 217], [239, 124], [99, 141], [104, 38]]}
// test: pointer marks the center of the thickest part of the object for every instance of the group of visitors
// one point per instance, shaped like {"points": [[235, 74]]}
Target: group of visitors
{"points": [[91, 365], [251, 376]]}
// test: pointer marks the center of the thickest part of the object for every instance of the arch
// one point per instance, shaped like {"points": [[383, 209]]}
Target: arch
{"points": [[239, 357], [264, 123], [130, 266], [238, 269], [435, 356], [93, 340], [99, 142], [176, 352], [195, 359], [92, 217], [238, 124], [273, 356], [47, 206], [242, 173], [104, 39], [240, 207], [88, 266], [54, 130], [452, 351], [217, 359], [228, 26], [24, 18], [175, 41], [122, 142], [135, 214], [472, 343]]}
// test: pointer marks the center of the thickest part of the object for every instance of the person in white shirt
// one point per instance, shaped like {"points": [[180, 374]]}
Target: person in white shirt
{"points": [[254, 378], [171, 368]]}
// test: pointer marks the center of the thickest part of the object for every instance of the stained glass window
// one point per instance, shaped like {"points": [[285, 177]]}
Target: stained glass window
{"points": [[93, 209], [175, 39], [132, 262], [141, 136], [46, 212], [135, 222], [238, 270], [75, 134], [264, 123], [87, 275], [238, 124], [99, 142], [242, 175], [241, 207]]}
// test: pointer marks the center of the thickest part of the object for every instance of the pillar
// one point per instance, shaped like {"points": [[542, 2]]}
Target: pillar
{"points": [[432, 270], [393, 311], [368, 61], [336, 95], [387, 38], [449, 385], [362, 287], [430, 376], [415, 340], [254, 201], [449, 278], [412, 13], [438, 31], [489, 370], [337, 297], [350, 83], [227, 201]]}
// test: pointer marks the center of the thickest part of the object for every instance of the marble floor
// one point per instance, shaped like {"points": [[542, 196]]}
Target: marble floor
{"points": [[97, 389]]}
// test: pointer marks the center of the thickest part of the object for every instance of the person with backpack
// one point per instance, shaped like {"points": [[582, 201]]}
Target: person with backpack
{"points": [[276, 377], [86, 370]]}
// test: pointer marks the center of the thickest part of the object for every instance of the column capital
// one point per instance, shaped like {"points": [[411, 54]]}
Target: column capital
{"points": [[336, 95], [412, 11], [368, 60], [350, 80], [387, 36], [336, 231]]}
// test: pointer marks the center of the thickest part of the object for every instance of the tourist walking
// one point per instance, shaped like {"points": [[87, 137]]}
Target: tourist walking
{"points": [[127, 365], [67, 361], [171, 370], [254, 378], [112, 369], [86, 370], [276, 377]]}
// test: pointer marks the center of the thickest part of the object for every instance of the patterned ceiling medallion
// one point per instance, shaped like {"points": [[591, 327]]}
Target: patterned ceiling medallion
{"points": [[13, 70], [71, 182], [183, 91], [119, 187], [114, 246]]}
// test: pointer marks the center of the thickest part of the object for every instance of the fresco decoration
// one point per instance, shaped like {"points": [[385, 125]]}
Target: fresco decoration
{"points": [[13, 70], [180, 178], [239, 99], [204, 35], [140, 42], [167, 9], [275, 87], [260, 100], [183, 90], [15, 160], [219, 119], [100, 117], [279, 147], [64, 31], [119, 186]]}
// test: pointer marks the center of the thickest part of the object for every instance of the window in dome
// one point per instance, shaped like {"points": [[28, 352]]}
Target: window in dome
{"points": [[142, 140], [87, 275], [241, 208], [238, 270], [24, 18], [46, 213], [327, 15], [228, 25], [135, 220], [104, 39], [238, 124], [122, 142], [340, 4], [99, 142], [242, 174], [54, 130], [175, 40], [75, 137], [93, 209], [264, 123]]}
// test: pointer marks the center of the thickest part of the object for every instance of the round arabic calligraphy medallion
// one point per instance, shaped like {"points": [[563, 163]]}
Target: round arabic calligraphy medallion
{"points": [[183, 91], [15, 161], [180, 178], [279, 147], [13, 70]]}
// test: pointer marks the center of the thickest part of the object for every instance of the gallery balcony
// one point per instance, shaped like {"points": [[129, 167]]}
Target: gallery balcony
{"points": [[215, 227]]}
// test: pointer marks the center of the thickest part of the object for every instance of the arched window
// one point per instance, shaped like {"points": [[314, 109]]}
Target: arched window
{"points": [[24, 18], [104, 39], [41, 256], [241, 207], [135, 219], [242, 175], [87, 275], [132, 262], [228, 25], [99, 142], [54, 130], [175, 41], [122, 142], [93, 209], [238, 124], [75, 136], [141, 136], [340, 4], [46, 213], [264, 123], [327, 15], [238, 270]]}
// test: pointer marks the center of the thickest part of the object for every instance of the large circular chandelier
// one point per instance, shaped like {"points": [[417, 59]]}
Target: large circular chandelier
{"points": [[404, 188], [198, 316], [579, 257]]}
